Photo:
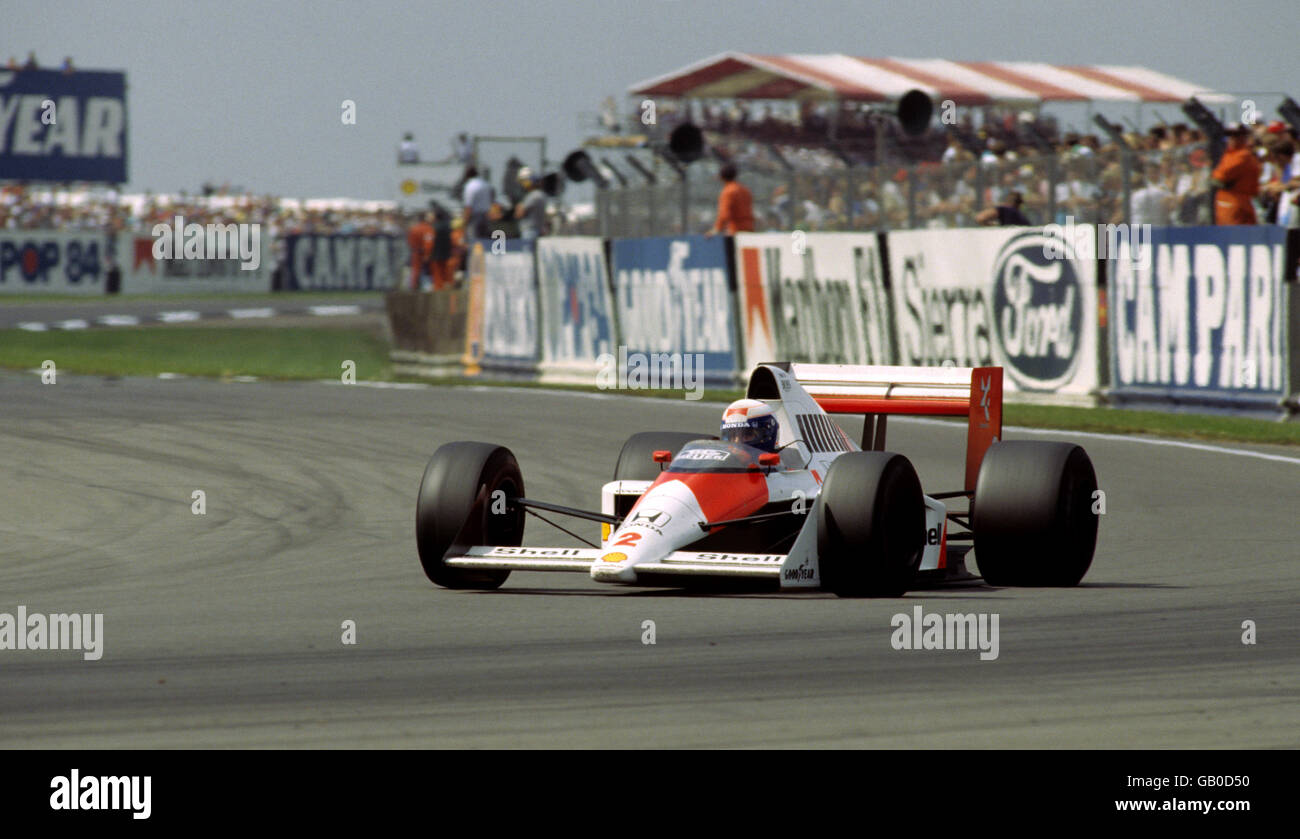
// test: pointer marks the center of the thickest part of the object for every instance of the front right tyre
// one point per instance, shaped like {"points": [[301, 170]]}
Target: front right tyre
{"points": [[464, 501]]}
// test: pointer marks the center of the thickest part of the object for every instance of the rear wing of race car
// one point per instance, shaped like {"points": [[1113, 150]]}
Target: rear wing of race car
{"points": [[877, 391]]}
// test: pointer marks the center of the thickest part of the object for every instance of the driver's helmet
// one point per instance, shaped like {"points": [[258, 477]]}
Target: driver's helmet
{"points": [[751, 422]]}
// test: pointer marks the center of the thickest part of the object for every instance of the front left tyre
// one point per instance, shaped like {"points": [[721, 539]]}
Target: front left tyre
{"points": [[464, 501]]}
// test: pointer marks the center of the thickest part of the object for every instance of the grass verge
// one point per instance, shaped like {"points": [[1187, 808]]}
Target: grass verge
{"points": [[268, 353], [319, 352]]}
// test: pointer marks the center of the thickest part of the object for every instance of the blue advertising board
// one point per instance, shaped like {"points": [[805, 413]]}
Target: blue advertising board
{"points": [[1201, 318], [57, 126], [342, 261], [676, 296]]}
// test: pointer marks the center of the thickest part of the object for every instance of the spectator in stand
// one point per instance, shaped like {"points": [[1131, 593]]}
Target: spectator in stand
{"points": [[1153, 203], [531, 209], [735, 204], [1007, 214], [477, 200], [67, 67], [420, 241], [442, 256], [31, 61], [463, 149], [1281, 189], [408, 152], [1236, 178]]}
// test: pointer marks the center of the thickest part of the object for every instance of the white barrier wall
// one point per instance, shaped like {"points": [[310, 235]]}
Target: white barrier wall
{"points": [[143, 272]]}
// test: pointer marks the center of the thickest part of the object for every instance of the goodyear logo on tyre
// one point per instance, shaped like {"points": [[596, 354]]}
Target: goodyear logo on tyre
{"points": [[1038, 310]]}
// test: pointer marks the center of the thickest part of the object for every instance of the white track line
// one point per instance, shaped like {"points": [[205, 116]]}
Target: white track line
{"points": [[177, 317], [32, 326], [265, 312], [74, 323], [1096, 435], [328, 311], [118, 320]]}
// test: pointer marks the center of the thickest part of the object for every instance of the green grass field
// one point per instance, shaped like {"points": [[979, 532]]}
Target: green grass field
{"points": [[319, 353], [218, 352]]}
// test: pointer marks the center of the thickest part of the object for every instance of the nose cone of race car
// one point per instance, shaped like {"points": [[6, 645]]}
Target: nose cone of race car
{"points": [[669, 515]]}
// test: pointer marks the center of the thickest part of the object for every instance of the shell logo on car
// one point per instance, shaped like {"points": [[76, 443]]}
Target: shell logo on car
{"points": [[614, 557]]}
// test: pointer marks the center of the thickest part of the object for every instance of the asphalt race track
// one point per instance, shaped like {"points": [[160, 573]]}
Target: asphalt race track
{"points": [[224, 630]]}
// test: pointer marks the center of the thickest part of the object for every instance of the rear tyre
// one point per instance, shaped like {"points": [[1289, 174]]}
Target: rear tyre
{"points": [[455, 509], [1032, 514], [870, 525], [636, 460]]}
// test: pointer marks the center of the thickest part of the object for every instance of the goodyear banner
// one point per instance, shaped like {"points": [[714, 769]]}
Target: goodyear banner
{"points": [[577, 309], [815, 297], [675, 302], [1203, 320], [343, 261], [510, 308], [149, 269], [37, 261], [1021, 298], [57, 126]]}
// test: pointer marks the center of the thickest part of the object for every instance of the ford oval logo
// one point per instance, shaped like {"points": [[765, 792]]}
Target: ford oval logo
{"points": [[1038, 309]]}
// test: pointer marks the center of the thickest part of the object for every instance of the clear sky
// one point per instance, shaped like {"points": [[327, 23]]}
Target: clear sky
{"points": [[250, 93]]}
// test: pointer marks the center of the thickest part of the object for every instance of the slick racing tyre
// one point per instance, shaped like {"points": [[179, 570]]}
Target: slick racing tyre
{"points": [[456, 509], [870, 525], [636, 460], [1032, 514]]}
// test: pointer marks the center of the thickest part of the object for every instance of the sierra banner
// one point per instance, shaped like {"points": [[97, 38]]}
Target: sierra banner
{"points": [[676, 304], [57, 126], [50, 262], [343, 261], [1021, 298], [1203, 320], [212, 271], [814, 297], [577, 310], [509, 310]]}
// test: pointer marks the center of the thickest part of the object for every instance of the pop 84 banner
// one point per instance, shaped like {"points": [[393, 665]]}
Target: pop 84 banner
{"points": [[56, 263], [1024, 299]]}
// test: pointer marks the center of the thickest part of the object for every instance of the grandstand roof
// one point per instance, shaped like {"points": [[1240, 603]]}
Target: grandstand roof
{"points": [[738, 75]]}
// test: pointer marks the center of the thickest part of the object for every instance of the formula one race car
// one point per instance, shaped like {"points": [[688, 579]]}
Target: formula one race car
{"points": [[803, 508]]}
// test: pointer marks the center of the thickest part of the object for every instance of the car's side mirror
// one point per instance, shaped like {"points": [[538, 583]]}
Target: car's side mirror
{"points": [[663, 456]]}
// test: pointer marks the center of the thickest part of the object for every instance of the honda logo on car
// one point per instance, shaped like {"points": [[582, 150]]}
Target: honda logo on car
{"points": [[1037, 315], [652, 519]]}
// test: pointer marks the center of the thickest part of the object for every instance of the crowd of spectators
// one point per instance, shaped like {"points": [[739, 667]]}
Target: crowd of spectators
{"points": [[1009, 161], [25, 207]]}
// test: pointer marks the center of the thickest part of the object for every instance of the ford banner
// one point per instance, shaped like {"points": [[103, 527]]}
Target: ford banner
{"points": [[1203, 321], [1021, 298], [57, 126]]}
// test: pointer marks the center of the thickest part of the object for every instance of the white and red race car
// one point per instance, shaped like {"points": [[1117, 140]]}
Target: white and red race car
{"points": [[820, 512]]}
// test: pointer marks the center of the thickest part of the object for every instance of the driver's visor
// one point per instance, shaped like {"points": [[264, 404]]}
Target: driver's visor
{"points": [[740, 433]]}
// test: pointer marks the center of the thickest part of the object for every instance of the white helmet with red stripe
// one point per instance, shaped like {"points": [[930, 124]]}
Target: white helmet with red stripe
{"points": [[751, 422]]}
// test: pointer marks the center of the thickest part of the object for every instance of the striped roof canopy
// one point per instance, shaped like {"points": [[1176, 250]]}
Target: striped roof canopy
{"points": [[737, 75]]}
